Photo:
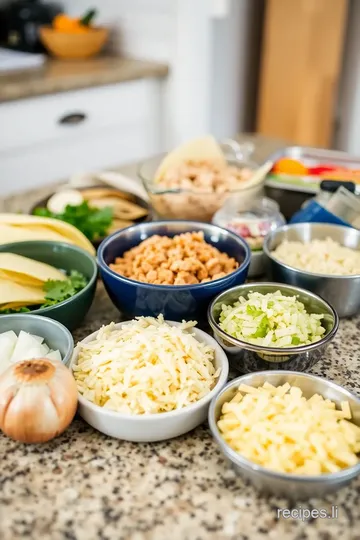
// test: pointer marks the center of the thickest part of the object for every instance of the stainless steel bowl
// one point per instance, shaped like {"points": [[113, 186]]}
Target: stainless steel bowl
{"points": [[293, 487], [247, 357], [343, 292]]}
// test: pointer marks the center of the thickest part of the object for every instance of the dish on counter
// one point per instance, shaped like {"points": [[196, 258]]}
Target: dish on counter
{"points": [[175, 302], [21, 228], [25, 346], [72, 38], [184, 259], [194, 180], [248, 353], [142, 397], [53, 279], [272, 319], [310, 449], [252, 220], [33, 335], [96, 211], [326, 257], [303, 169], [342, 291], [26, 284]]}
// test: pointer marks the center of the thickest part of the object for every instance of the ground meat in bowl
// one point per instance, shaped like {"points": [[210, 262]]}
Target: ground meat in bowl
{"points": [[185, 259]]}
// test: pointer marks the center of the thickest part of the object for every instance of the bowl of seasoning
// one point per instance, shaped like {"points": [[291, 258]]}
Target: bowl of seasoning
{"points": [[252, 220]]}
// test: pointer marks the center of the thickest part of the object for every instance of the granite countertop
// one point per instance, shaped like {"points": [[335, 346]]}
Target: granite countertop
{"points": [[65, 75], [84, 485]]}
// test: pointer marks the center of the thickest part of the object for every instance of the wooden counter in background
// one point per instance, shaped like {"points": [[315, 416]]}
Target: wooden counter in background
{"points": [[66, 75], [301, 63]]}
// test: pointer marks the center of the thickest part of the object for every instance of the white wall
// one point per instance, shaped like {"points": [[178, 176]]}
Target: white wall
{"points": [[348, 133], [235, 62], [141, 28], [212, 63]]}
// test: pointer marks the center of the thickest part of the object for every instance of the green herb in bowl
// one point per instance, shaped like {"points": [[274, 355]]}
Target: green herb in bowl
{"points": [[58, 291], [271, 320], [94, 223]]}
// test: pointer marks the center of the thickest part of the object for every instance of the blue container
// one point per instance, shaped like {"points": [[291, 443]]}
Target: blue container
{"points": [[315, 213], [175, 302]]}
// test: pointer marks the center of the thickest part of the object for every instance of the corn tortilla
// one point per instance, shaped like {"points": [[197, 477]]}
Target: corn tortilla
{"points": [[202, 149], [27, 271], [16, 295], [18, 228]]}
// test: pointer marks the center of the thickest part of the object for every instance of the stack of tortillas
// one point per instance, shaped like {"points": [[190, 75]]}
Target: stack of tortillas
{"points": [[22, 280], [21, 228]]}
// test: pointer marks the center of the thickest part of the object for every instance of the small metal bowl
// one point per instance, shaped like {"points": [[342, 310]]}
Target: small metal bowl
{"points": [[293, 487], [247, 357], [343, 292]]}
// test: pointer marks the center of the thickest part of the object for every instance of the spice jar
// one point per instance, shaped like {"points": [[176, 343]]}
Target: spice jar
{"points": [[252, 221]]}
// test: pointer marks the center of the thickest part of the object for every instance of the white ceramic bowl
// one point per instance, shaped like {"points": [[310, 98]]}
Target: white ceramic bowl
{"points": [[154, 427]]}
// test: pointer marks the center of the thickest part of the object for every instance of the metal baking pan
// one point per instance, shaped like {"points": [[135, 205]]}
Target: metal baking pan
{"points": [[291, 192]]}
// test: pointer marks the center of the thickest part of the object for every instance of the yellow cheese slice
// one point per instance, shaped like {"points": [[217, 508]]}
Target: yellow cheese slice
{"points": [[202, 149]]}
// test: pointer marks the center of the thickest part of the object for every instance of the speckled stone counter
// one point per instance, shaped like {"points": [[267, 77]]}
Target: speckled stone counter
{"points": [[65, 75], [85, 486]]}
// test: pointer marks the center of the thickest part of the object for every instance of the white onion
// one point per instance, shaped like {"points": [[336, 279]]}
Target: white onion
{"points": [[38, 400]]}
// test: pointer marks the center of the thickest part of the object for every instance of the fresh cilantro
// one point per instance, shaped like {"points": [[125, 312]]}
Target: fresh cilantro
{"points": [[14, 310], [57, 291], [94, 223]]}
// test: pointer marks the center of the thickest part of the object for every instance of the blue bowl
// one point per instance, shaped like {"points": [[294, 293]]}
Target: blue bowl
{"points": [[175, 302]]}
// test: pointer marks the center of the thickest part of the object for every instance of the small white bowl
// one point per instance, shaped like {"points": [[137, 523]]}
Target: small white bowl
{"points": [[160, 426]]}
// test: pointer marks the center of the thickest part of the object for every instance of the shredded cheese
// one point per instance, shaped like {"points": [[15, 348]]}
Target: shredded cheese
{"points": [[145, 367], [320, 257], [278, 428]]}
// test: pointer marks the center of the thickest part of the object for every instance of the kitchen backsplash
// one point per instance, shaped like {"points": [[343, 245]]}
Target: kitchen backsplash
{"points": [[141, 28]]}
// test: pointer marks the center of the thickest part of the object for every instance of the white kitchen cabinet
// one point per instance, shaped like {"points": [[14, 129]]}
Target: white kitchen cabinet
{"points": [[48, 138]]}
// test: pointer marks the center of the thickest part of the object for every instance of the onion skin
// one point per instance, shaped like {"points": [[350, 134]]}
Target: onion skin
{"points": [[38, 400]]}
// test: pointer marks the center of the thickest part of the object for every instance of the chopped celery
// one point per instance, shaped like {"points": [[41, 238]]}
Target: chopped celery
{"points": [[272, 320]]}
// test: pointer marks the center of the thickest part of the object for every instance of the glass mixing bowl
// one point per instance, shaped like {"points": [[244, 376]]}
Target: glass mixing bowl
{"points": [[193, 204]]}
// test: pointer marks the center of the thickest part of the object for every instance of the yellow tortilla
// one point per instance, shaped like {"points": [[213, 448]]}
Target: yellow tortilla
{"points": [[202, 149], [18, 227], [27, 271], [15, 295], [11, 233], [18, 277]]}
